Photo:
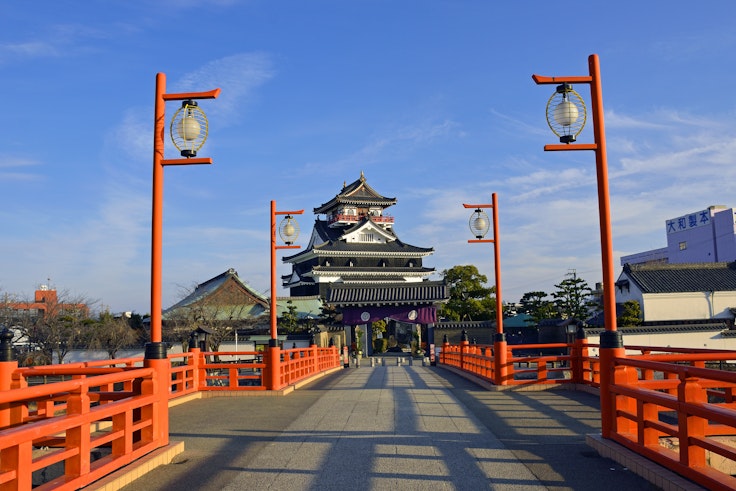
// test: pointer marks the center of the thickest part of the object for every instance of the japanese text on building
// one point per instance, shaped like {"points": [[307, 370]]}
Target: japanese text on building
{"points": [[691, 220]]}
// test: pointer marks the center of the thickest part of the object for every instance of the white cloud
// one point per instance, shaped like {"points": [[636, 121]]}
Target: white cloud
{"points": [[29, 49], [237, 75]]}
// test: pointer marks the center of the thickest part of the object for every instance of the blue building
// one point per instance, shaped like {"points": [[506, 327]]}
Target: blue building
{"points": [[704, 236]]}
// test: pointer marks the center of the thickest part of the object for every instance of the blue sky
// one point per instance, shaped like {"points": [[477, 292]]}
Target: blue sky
{"points": [[433, 100]]}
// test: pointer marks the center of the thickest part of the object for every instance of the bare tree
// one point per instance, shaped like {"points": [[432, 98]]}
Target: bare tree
{"points": [[62, 324], [112, 334]]}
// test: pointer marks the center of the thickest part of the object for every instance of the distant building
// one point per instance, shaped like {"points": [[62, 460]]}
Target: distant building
{"points": [[704, 236], [45, 302], [224, 298], [227, 301]]}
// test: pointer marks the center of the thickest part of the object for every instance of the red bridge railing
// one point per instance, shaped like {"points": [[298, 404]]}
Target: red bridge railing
{"points": [[674, 406], [66, 426]]}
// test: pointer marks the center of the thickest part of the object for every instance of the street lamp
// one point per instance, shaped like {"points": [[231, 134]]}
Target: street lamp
{"points": [[479, 225], [288, 230], [568, 121], [190, 136]]}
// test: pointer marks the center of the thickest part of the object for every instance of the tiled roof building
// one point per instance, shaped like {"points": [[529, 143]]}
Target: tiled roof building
{"points": [[685, 291]]}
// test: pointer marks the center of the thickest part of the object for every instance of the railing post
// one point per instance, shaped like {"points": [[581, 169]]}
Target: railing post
{"points": [[624, 376], [464, 348], [488, 363], [8, 365], [17, 458], [689, 391], [445, 347], [314, 355], [195, 365], [78, 437], [579, 356]]}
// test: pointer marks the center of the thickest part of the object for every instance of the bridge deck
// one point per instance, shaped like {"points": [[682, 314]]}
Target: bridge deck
{"points": [[393, 427]]}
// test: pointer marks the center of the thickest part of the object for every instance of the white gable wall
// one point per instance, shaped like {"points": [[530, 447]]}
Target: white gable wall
{"points": [[690, 305], [678, 306], [696, 339]]}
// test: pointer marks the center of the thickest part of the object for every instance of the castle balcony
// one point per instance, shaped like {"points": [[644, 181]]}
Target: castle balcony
{"points": [[356, 218]]}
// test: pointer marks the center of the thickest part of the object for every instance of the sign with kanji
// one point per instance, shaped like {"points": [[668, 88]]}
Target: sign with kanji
{"points": [[686, 222]]}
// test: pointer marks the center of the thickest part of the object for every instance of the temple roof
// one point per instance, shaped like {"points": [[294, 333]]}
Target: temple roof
{"points": [[342, 294], [356, 193], [213, 294]]}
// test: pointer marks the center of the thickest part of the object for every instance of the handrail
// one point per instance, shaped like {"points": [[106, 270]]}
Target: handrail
{"points": [[665, 398], [112, 404]]}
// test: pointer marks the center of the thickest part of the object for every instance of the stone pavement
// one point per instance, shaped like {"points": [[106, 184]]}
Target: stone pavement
{"points": [[392, 427]]}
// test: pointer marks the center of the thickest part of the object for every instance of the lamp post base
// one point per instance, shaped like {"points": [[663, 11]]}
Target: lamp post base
{"points": [[155, 358], [500, 359], [155, 351], [611, 346]]}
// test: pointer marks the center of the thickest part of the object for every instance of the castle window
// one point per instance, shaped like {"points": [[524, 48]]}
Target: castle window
{"points": [[369, 237]]}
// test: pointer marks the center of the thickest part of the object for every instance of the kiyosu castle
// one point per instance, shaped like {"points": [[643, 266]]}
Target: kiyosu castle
{"points": [[355, 261]]}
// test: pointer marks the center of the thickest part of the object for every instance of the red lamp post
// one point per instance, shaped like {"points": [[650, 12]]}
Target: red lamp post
{"points": [[288, 231], [188, 130], [479, 226], [566, 119]]}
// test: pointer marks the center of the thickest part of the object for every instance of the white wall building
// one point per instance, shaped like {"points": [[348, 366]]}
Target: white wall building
{"points": [[675, 292]]}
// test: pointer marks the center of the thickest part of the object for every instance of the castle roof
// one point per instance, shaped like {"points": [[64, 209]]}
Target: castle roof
{"points": [[326, 241], [356, 193], [343, 294]]}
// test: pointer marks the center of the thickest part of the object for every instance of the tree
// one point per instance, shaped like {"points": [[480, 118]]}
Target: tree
{"points": [[631, 314], [112, 334], [469, 299], [536, 305], [290, 318], [573, 298], [64, 325], [328, 314]]}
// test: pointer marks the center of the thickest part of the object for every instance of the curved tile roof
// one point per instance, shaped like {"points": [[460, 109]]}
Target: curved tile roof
{"points": [[679, 278], [332, 245], [388, 294], [359, 193]]}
